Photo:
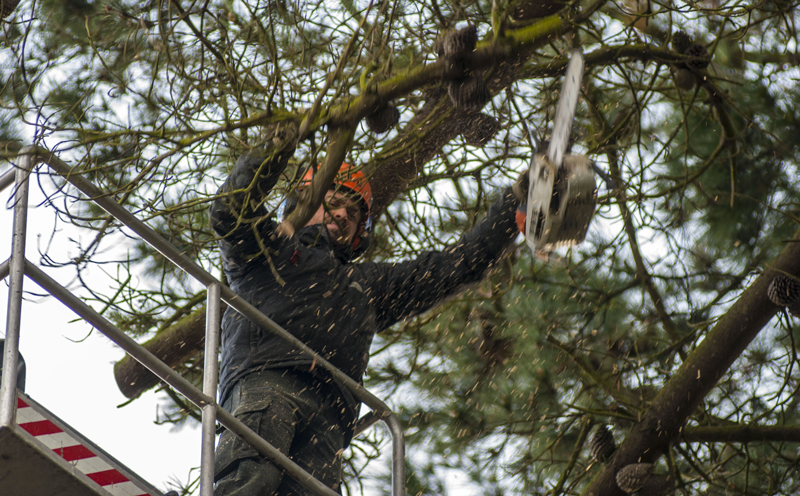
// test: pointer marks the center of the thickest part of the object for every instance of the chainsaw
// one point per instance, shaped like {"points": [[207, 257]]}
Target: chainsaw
{"points": [[562, 193]]}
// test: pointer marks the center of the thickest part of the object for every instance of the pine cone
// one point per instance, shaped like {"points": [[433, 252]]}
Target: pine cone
{"points": [[681, 41], [480, 130], [469, 93], [632, 477], [383, 119], [602, 445], [461, 42], [697, 50], [7, 7], [684, 79], [784, 291]]}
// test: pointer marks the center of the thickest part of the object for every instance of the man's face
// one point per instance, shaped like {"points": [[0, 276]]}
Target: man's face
{"points": [[340, 213]]}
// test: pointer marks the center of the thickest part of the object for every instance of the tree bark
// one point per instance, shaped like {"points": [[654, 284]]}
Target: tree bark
{"points": [[173, 346], [682, 394]]}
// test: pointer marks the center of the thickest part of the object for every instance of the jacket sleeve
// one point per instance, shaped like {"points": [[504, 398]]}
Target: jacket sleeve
{"points": [[408, 288], [237, 214]]}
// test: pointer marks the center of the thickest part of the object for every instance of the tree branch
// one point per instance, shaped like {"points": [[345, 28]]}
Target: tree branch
{"points": [[682, 394]]}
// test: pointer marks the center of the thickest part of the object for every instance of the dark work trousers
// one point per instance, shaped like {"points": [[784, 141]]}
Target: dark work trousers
{"points": [[294, 414]]}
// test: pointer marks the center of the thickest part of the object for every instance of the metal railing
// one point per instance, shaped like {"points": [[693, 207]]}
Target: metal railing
{"points": [[17, 267]]}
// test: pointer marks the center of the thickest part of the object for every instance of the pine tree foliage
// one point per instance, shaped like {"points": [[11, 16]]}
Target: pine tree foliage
{"points": [[154, 101]]}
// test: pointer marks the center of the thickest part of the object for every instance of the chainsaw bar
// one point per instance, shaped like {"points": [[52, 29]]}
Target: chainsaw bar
{"points": [[565, 112]]}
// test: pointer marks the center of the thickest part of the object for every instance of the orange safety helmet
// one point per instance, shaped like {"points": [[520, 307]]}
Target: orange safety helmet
{"points": [[354, 181]]}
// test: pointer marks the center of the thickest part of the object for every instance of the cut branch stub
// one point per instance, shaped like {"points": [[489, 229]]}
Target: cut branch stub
{"points": [[182, 341]]}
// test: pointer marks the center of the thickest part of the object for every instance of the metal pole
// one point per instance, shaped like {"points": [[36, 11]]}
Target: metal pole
{"points": [[7, 179], [210, 377], [398, 455], [365, 422], [8, 386], [5, 267]]}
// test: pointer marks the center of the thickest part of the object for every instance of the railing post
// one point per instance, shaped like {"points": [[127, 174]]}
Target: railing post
{"points": [[210, 378], [398, 455], [8, 387]]}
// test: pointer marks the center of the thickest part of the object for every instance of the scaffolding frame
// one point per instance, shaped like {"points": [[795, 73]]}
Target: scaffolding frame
{"points": [[17, 267]]}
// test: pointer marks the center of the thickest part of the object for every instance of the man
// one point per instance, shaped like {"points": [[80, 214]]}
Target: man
{"points": [[308, 284]]}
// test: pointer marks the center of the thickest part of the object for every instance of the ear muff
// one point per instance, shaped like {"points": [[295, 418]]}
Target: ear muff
{"points": [[361, 240]]}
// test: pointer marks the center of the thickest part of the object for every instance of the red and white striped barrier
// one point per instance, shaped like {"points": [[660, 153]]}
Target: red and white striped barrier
{"points": [[74, 448]]}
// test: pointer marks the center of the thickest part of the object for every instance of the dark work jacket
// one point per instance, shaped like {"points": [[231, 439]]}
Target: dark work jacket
{"points": [[333, 306]]}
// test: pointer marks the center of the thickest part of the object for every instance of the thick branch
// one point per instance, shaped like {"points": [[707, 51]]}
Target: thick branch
{"points": [[682, 394], [173, 346]]}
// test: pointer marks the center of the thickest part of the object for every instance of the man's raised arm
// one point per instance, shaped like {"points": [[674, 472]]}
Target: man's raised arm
{"points": [[237, 210], [411, 287]]}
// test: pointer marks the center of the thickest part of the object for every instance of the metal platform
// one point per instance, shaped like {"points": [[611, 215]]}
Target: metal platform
{"points": [[28, 468], [41, 455]]}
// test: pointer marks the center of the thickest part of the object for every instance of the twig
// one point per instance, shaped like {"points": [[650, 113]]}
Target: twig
{"points": [[312, 114]]}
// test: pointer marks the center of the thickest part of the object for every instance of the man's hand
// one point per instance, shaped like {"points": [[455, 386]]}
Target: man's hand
{"points": [[520, 188]]}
